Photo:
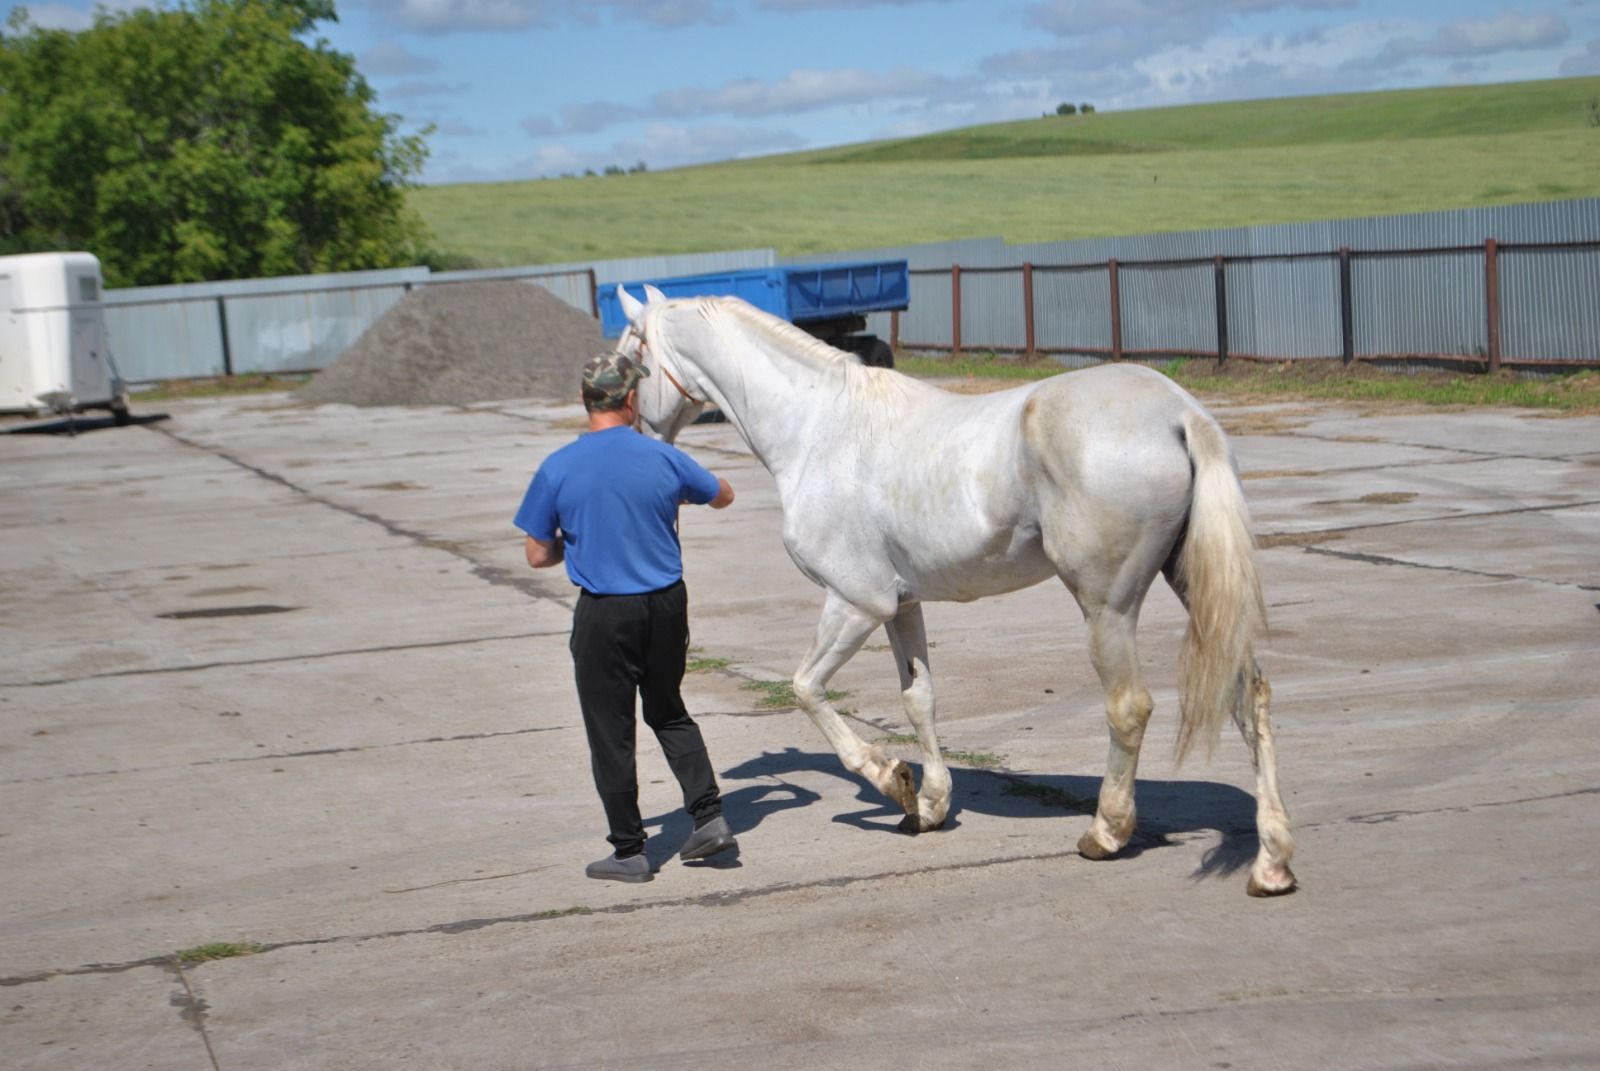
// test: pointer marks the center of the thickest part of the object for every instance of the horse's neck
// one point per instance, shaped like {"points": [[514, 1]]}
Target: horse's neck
{"points": [[774, 397]]}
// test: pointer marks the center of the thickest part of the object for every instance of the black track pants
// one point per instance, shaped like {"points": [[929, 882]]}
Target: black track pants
{"points": [[628, 644]]}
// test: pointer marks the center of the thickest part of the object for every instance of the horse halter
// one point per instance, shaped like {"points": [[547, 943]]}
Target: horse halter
{"points": [[645, 345]]}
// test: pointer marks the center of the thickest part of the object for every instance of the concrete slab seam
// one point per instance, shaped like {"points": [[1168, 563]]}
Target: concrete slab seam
{"points": [[50, 682], [492, 574], [193, 1011], [721, 899], [1380, 559], [281, 755], [1311, 533]]}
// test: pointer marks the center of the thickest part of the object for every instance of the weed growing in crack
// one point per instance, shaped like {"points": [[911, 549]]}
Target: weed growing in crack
{"points": [[779, 695], [217, 950]]}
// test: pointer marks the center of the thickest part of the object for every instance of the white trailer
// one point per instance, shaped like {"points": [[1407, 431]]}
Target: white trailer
{"points": [[54, 352]]}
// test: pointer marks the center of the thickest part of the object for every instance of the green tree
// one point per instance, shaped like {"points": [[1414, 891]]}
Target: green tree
{"points": [[205, 141], [1066, 109]]}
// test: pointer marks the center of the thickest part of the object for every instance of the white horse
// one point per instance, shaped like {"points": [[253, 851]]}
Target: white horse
{"points": [[896, 492]]}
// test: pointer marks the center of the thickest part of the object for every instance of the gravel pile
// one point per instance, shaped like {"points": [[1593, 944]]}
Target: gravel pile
{"points": [[457, 343]]}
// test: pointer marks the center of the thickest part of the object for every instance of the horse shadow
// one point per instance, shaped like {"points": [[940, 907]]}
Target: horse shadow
{"points": [[1166, 808], [744, 808]]}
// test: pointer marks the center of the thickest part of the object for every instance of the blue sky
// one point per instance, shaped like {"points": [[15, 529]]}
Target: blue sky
{"points": [[522, 89]]}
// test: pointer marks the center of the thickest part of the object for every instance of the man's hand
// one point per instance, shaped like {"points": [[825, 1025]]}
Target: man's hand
{"points": [[542, 555], [724, 497]]}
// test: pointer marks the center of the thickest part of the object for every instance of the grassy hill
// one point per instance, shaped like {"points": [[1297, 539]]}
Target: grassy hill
{"points": [[1110, 173]]}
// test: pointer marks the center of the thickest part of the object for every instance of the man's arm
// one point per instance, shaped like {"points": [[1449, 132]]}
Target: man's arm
{"points": [[724, 497], [542, 555]]}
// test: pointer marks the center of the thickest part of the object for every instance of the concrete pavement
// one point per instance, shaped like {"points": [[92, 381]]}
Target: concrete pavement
{"points": [[277, 674]]}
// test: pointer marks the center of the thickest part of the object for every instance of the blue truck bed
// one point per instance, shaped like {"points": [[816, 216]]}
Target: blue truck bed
{"points": [[800, 294]]}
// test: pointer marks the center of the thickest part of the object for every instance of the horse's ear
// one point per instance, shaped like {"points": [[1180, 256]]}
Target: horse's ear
{"points": [[652, 294], [630, 305]]}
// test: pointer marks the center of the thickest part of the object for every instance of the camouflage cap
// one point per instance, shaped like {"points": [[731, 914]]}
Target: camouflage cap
{"points": [[608, 377]]}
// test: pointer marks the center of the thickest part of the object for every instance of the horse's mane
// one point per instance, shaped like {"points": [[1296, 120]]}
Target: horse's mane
{"points": [[874, 395], [792, 339]]}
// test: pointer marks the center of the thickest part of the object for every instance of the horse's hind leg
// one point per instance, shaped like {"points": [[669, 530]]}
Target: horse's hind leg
{"points": [[910, 642], [1128, 706], [1269, 874], [840, 634]]}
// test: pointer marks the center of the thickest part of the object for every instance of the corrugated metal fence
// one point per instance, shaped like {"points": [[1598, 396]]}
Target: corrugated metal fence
{"points": [[1518, 283], [301, 323]]}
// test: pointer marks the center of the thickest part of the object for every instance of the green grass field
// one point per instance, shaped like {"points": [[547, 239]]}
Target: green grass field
{"points": [[1049, 179]]}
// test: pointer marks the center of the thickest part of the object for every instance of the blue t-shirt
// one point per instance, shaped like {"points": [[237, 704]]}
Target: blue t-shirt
{"points": [[613, 495]]}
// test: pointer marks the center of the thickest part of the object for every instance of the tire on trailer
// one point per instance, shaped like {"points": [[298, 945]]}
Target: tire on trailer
{"points": [[873, 351]]}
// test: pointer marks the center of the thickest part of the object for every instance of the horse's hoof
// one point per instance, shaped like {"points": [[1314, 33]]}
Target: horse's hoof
{"points": [[912, 824], [902, 787], [1281, 884], [1090, 847]]}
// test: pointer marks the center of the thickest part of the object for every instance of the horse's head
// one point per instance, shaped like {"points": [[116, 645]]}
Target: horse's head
{"points": [[665, 401]]}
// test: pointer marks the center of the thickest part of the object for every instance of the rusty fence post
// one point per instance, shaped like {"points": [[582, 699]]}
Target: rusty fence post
{"points": [[1027, 308], [1116, 310], [594, 296], [1491, 299], [955, 310], [1221, 272], [222, 330], [894, 330], [1347, 317]]}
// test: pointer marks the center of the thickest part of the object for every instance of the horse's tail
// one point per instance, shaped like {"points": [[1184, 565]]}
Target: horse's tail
{"points": [[1216, 576]]}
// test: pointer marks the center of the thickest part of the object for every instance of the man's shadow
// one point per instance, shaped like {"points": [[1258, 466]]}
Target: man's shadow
{"points": [[1166, 808]]}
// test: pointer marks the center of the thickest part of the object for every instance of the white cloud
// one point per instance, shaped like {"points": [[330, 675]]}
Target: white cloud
{"points": [[447, 16], [388, 59], [1510, 31], [798, 92], [665, 145], [816, 5], [59, 17], [671, 14], [67, 17], [1477, 37], [416, 90], [1585, 62], [660, 146], [462, 16], [802, 90], [1466, 40], [456, 128]]}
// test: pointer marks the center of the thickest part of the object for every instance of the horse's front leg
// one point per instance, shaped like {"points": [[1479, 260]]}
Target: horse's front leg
{"points": [[840, 634], [910, 642]]}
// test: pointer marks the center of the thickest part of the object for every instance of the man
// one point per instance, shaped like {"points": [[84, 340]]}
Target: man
{"points": [[607, 505]]}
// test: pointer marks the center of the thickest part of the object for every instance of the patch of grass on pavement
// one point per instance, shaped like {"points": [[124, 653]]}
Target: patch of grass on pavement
{"points": [[563, 912], [779, 695], [983, 760], [217, 950], [980, 759], [170, 390], [706, 665], [1046, 796], [1310, 379], [1331, 380]]}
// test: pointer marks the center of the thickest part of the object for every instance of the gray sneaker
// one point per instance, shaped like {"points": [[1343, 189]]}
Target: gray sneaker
{"points": [[709, 839], [634, 868]]}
